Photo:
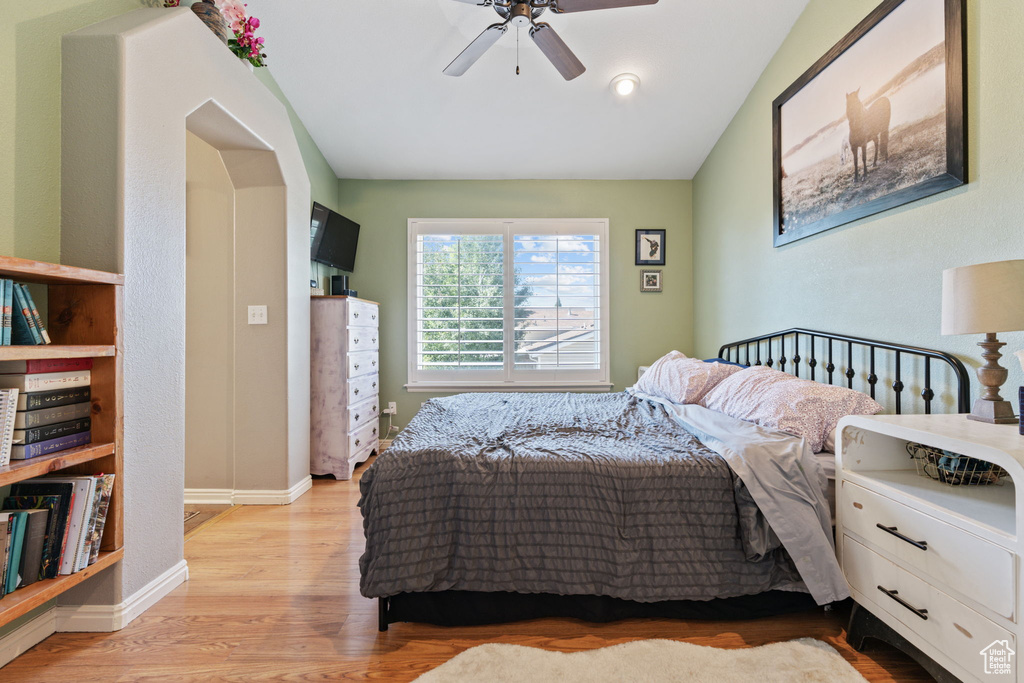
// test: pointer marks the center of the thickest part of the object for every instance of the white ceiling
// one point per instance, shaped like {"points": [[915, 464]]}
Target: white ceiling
{"points": [[365, 78]]}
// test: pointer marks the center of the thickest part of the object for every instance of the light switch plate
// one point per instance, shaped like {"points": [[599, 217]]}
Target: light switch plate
{"points": [[257, 315]]}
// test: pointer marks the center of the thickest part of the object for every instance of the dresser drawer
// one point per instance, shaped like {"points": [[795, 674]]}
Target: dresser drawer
{"points": [[362, 339], [361, 413], [362, 313], [362, 363], [956, 632], [363, 437], [950, 556], [362, 388]]}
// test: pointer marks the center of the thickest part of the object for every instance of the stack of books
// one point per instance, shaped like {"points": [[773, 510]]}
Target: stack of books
{"points": [[51, 406], [21, 323], [52, 526]]}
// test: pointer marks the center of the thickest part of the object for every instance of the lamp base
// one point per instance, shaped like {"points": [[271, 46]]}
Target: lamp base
{"points": [[993, 412]]}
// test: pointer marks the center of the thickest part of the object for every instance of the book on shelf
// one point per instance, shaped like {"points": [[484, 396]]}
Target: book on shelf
{"points": [[27, 419], [47, 432], [34, 400], [61, 443], [6, 531], [23, 325], [20, 517], [6, 310], [34, 311], [57, 536], [46, 381], [51, 548], [8, 416], [32, 548], [81, 514], [38, 365], [106, 489]]}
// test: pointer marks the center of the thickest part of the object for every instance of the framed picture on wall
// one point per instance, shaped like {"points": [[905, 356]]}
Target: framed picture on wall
{"points": [[650, 280], [877, 122], [650, 247]]}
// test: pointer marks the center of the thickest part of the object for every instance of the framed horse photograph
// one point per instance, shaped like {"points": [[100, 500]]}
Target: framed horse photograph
{"points": [[878, 121]]}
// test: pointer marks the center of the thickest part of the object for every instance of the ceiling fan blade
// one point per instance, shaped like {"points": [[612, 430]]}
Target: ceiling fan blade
{"points": [[563, 6], [555, 49], [476, 49]]}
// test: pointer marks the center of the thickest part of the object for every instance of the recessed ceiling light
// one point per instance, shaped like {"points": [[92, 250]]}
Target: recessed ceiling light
{"points": [[625, 84]]}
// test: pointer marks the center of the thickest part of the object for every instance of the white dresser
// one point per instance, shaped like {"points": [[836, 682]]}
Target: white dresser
{"points": [[344, 384], [933, 566]]}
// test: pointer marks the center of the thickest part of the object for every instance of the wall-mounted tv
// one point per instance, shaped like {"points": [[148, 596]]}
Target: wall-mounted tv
{"points": [[334, 238]]}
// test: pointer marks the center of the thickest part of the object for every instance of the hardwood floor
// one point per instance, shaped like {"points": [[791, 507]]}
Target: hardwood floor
{"points": [[198, 515], [274, 595]]}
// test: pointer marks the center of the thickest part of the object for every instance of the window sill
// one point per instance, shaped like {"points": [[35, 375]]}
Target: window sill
{"points": [[435, 387]]}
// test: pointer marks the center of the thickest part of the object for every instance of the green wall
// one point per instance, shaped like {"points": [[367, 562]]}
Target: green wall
{"points": [[882, 276], [643, 326], [30, 34]]}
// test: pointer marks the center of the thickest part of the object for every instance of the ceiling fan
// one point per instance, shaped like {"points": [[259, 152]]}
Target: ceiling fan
{"points": [[522, 13]]}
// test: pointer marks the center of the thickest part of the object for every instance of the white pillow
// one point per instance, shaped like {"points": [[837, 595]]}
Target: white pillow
{"points": [[682, 380], [777, 400]]}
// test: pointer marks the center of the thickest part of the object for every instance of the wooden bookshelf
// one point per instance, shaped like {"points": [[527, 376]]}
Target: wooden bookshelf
{"points": [[84, 320]]}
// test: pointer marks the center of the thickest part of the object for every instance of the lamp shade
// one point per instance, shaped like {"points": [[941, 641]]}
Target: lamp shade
{"points": [[983, 298]]}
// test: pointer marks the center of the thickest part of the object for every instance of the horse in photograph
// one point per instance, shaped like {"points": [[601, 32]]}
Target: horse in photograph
{"points": [[867, 124]]}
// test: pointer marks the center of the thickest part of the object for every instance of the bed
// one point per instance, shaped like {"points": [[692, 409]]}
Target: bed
{"points": [[499, 507]]}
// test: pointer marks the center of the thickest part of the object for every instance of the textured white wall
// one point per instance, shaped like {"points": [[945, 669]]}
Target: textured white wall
{"points": [[123, 208]]}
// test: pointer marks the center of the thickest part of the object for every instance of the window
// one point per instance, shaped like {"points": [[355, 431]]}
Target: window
{"points": [[508, 304]]}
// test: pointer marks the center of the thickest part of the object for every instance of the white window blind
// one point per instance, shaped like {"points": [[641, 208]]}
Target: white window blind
{"points": [[508, 303]]}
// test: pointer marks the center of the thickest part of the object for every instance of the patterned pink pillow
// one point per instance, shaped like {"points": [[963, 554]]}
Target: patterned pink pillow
{"points": [[780, 401], [682, 380]]}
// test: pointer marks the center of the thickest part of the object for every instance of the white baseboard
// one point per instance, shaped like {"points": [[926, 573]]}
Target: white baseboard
{"points": [[247, 497], [107, 618], [31, 634]]}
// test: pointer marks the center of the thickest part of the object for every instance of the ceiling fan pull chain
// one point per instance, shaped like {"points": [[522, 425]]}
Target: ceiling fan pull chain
{"points": [[517, 51]]}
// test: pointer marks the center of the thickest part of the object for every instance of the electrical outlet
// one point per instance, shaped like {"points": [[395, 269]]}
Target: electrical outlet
{"points": [[257, 315], [392, 408]]}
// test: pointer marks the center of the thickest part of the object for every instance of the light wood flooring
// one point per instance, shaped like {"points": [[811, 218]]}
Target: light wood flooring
{"points": [[198, 515], [274, 595]]}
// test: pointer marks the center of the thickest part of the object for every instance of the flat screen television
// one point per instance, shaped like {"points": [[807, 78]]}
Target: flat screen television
{"points": [[334, 238]]}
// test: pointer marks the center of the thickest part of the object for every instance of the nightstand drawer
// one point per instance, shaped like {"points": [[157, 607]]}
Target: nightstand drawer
{"points": [[948, 556], [955, 631]]}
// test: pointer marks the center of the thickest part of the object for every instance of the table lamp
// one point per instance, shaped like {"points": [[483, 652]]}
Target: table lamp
{"points": [[985, 299]]}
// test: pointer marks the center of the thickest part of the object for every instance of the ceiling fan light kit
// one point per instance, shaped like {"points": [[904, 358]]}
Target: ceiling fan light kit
{"points": [[524, 13], [625, 84]]}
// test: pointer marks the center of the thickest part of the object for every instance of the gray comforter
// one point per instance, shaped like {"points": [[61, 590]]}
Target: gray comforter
{"points": [[594, 494]]}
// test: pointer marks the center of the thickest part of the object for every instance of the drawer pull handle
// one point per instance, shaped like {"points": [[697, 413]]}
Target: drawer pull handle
{"points": [[356, 340], [357, 444], [356, 392], [375, 409], [357, 366], [357, 417], [373, 317], [374, 431], [374, 385], [356, 314], [895, 595], [373, 341], [923, 545], [962, 630], [858, 505], [373, 363]]}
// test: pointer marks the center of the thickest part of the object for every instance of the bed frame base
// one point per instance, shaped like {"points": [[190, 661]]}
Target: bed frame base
{"points": [[468, 608]]}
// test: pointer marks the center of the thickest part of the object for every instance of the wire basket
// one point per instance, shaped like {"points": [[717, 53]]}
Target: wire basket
{"points": [[954, 469]]}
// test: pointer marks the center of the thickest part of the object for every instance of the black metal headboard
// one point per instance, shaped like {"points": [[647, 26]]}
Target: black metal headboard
{"points": [[742, 352]]}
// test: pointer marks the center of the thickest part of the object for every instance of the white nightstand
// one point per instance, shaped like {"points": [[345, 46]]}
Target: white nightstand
{"points": [[932, 566]]}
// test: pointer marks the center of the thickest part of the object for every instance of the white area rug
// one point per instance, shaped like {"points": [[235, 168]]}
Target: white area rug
{"points": [[796, 661]]}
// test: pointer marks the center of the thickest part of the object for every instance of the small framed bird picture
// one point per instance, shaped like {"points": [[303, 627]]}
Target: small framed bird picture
{"points": [[650, 247]]}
